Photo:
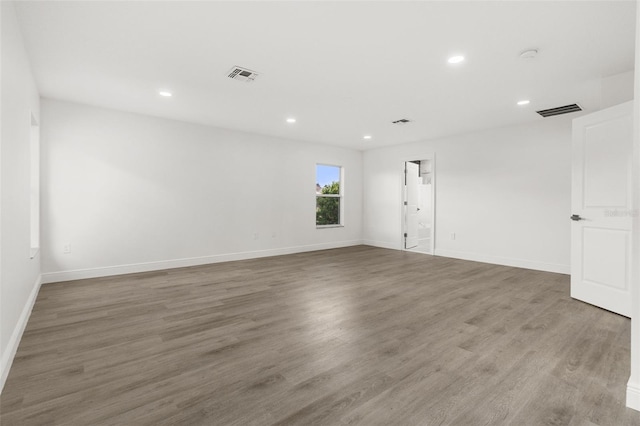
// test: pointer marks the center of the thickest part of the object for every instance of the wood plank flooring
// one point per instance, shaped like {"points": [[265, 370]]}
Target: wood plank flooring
{"points": [[354, 336]]}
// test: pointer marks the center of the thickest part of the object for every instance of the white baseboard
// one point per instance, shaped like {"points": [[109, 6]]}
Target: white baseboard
{"points": [[79, 274], [633, 395], [381, 244], [495, 260], [506, 261], [14, 340]]}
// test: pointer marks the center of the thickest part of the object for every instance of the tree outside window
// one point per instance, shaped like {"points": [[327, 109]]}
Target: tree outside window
{"points": [[328, 195]]}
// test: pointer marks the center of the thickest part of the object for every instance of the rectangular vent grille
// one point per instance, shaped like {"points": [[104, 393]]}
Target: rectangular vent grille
{"points": [[559, 110], [242, 74], [401, 121]]}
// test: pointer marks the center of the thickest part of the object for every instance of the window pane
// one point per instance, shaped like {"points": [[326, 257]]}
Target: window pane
{"points": [[327, 211], [327, 179]]}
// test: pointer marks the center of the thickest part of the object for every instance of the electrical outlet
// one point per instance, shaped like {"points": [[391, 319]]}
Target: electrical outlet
{"points": [[66, 249], [453, 235]]}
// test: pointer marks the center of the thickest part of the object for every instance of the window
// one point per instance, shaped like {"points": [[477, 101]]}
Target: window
{"points": [[34, 178], [329, 194]]}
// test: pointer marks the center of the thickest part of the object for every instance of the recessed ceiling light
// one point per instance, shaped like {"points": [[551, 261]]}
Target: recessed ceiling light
{"points": [[523, 102], [291, 120], [366, 137], [455, 59], [165, 93]]}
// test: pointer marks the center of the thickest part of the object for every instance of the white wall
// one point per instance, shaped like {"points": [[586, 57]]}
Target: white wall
{"points": [[633, 387], [505, 193], [132, 193], [616, 89], [19, 276]]}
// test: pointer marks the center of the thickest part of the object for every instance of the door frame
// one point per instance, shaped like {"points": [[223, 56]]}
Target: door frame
{"points": [[432, 157]]}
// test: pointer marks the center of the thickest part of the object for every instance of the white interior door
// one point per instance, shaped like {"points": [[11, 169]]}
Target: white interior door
{"points": [[412, 171], [601, 208]]}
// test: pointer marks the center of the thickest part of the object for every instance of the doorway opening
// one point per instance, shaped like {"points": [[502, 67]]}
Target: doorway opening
{"points": [[418, 206]]}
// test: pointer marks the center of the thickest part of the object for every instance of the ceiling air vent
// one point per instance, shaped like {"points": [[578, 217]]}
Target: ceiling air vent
{"points": [[401, 121], [242, 74], [560, 110]]}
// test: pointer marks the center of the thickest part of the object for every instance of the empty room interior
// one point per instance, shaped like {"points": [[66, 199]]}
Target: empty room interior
{"points": [[320, 213]]}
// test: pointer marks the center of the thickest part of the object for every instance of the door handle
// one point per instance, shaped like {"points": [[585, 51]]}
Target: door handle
{"points": [[576, 217]]}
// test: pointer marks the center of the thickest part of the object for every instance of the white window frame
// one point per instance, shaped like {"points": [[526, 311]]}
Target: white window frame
{"points": [[340, 196]]}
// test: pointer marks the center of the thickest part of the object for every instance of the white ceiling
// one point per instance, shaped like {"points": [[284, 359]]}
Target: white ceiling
{"points": [[343, 69]]}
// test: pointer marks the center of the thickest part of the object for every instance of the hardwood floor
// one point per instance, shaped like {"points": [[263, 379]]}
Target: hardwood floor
{"points": [[354, 336]]}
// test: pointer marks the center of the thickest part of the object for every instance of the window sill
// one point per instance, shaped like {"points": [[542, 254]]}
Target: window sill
{"points": [[33, 252], [329, 226]]}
